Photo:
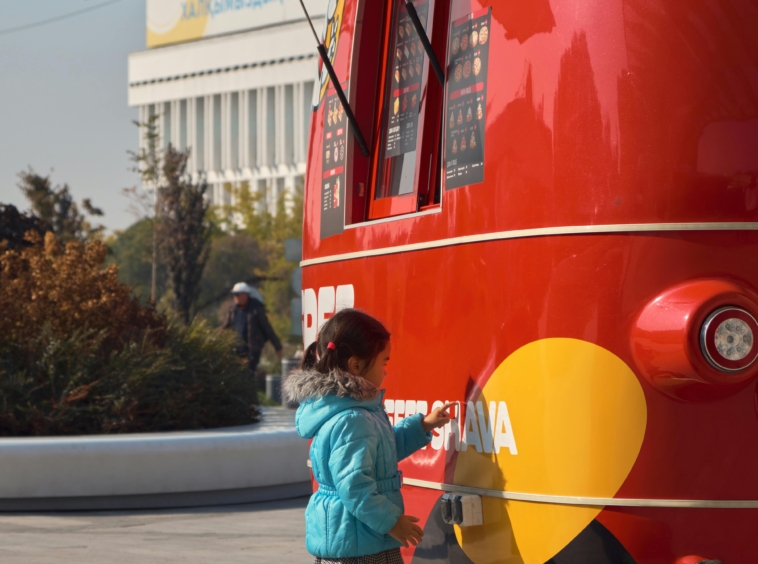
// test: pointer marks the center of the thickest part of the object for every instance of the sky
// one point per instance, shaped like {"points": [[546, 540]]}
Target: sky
{"points": [[63, 100]]}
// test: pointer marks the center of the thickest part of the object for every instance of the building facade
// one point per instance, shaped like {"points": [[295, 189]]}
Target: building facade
{"points": [[235, 86]]}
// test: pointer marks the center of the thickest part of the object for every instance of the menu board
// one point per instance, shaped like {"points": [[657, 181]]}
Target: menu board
{"points": [[405, 89], [466, 108], [334, 151]]}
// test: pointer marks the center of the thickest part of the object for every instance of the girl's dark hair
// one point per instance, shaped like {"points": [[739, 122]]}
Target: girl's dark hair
{"points": [[353, 333]]}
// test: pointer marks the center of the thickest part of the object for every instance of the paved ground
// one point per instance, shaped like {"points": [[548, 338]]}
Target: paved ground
{"points": [[271, 532]]}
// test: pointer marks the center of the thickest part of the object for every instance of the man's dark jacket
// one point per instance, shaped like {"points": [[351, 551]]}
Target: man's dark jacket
{"points": [[259, 329]]}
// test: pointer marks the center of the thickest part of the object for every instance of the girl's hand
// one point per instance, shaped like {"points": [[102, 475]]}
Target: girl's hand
{"points": [[438, 417], [406, 531]]}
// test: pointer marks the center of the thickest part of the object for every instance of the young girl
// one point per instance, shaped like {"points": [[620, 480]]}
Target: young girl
{"points": [[356, 516]]}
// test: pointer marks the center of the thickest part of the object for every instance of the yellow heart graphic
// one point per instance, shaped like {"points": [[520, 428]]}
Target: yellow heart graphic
{"points": [[577, 418]]}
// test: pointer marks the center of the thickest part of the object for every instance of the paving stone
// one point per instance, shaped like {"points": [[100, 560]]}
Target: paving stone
{"points": [[262, 532]]}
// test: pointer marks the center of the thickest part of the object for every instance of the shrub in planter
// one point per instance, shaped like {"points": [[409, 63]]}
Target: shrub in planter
{"points": [[55, 290], [80, 355], [195, 381]]}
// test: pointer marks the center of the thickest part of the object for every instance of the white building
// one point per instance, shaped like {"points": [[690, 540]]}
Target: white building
{"points": [[232, 80]]}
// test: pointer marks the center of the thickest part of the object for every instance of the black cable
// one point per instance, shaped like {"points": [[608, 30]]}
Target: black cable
{"points": [[57, 18]]}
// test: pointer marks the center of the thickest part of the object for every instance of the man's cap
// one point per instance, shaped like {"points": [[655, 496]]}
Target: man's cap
{"points": [[241, 288], [244, 288]]}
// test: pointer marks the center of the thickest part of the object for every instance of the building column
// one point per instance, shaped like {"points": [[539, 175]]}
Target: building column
{"points": [[144, 114], [244, 130], [176, 118], [297, 122], [281, 149], [260, 143], [208, 132], [191, 136], [226, 152]]}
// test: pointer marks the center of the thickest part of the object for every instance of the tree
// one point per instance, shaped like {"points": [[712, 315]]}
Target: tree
{"points": [[132, 251], [147, 163], [62, 289], [184, 229], [269, 230], [56, 206], [14, 225], [233, 258], [80, 355]]}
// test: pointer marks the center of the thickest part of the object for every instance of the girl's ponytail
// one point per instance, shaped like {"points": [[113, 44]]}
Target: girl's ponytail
{"points": [[348, 333], [310, 359]]}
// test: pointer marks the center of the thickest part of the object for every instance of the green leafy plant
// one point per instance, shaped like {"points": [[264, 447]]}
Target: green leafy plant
{"points": [[79, 354], [62, 386], [184, 230], [56, 207], [269, 228]]}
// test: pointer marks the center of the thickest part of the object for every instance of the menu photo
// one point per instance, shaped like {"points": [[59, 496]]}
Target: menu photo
{"points": [[334, 149], [466, 105], [405, 89]]}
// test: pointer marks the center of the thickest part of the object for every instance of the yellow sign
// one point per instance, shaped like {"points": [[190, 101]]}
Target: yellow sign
{"points": [[576, 417], [176, 21]]}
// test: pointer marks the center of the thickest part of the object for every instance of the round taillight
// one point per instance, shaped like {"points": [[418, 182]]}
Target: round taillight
{"points": [[696, 340], [727, 339]]}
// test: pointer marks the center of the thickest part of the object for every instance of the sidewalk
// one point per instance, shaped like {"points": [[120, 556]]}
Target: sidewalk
{"points": [[263, 532]]}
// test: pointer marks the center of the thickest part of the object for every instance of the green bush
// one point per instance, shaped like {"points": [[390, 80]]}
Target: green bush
{"points": [[63, 387], [79, 354]]}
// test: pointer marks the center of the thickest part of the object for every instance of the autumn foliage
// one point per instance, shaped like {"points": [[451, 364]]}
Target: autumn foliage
{"points": [[65, 290], [79, 354]]}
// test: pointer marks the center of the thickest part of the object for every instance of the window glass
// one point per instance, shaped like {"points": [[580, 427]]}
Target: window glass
{"points": [[403, 102]]}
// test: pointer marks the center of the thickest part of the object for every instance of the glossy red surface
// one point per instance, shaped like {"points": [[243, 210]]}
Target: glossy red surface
{"points": [[598, 112], [666, 339], [620, 113]]}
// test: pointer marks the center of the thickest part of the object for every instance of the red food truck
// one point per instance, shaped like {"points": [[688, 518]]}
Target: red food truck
{"points": [[560, 229]]}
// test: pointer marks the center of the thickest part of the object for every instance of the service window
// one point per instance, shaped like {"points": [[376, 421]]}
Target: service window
{"points": [[407, 145]]}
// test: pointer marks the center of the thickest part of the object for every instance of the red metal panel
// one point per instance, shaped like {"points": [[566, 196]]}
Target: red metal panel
{"points": [[598, 112]]}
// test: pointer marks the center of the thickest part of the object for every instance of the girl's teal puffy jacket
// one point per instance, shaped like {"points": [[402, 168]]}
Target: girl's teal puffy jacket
{"points": [[354, 455]]}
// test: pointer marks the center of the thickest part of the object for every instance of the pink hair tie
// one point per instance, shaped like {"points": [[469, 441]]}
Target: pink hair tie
{"points": [[331, 346]]}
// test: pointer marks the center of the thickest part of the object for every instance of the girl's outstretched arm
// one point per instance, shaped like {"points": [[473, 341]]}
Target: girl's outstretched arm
{"points": [[409, 438], [410, 435]]}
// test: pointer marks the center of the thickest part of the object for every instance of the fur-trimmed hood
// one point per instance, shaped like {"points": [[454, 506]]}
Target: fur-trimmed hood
{"points": [[301, 385], [321, 396]]}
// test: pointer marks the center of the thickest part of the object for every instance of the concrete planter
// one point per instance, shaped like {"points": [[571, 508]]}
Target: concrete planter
{"points": [[234, 465]]}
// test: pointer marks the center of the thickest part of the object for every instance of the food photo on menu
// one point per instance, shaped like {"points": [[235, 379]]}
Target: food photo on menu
{"points": [[466, 100], [333, 166], [406, 86]]}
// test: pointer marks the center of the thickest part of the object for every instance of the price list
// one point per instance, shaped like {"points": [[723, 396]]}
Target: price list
{"points": [[466, 108], [333, 167], [405, 89]]}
